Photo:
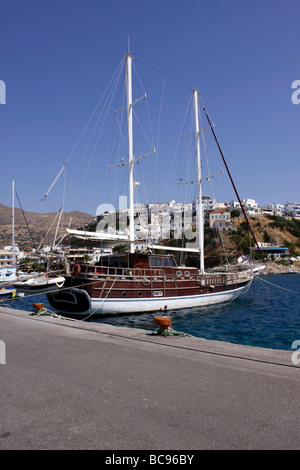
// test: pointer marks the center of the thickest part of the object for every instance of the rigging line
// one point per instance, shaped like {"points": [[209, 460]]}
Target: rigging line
{"points": [[219, 306], [206, 159], [229, 253], [226, 253], [259, 280], [236, 247], [51, 225], [229, 174], [83, 131], [142, 128], [59, 289], [120, 143], [121, 137], [279, 287], [109, 97], [190, 170], [115, 148], [141, 172], [117, 71], [158, 135], [187, 163], [178, 143], [188, 145], [147, 106], [25, 220], [32, 215], [61, 223], [125, 178], [165, 74], [104, 299]]}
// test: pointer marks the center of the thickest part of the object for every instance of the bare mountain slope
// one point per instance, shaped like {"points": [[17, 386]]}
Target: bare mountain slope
{"points": [[38, 224]]}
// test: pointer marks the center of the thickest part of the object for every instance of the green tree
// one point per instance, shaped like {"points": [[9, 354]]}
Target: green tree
{"points": [[235, 213]]}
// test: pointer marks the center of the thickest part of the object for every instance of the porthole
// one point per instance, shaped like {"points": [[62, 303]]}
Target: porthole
{"points": [[124, 294], [139, 293], [157, 293]]}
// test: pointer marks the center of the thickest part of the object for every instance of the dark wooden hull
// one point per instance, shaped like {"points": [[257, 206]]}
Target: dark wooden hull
{"points": [[105, 293]]}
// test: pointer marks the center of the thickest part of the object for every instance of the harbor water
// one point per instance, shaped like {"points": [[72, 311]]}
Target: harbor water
{"points": [[267, 315]]}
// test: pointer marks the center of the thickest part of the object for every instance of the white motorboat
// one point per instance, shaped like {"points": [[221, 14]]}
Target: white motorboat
{"points": [[42, 283]]}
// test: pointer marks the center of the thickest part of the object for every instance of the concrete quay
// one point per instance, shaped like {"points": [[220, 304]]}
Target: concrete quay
{"points": [[75, 385]]}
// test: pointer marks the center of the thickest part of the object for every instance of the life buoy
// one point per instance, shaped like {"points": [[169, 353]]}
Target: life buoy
{"points": [[76, 269]]}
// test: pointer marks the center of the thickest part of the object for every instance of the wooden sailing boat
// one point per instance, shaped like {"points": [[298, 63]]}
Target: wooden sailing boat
{"points": [[145, 282]]}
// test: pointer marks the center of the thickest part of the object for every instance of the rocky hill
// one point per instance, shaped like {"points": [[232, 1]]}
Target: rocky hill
{"points": [[38, 224], [277, 230], [281, 231]]}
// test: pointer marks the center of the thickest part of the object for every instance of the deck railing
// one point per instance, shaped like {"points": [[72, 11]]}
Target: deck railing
{"points": [[169, 274]]}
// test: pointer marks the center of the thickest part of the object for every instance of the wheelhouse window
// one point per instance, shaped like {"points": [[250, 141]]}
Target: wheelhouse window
{"points": [[115, 261], [170, 262], [155, 262], [158, 262]]}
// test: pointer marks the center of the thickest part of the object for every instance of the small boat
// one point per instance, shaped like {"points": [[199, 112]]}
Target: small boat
{"points": [[42, 283], [7, 291], [8, 274]]}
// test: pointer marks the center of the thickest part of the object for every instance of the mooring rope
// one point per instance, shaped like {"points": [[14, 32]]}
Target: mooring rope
{"points": [[279, 287]]}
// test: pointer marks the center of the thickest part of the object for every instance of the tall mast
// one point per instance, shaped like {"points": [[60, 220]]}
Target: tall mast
{"points": [[13, 223], [130, 150], [199, 183]]}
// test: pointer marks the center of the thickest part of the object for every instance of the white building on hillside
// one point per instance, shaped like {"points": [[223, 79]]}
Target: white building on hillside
{"points": [[273, 209], [250, 206], [209, 203], [292, 208]]}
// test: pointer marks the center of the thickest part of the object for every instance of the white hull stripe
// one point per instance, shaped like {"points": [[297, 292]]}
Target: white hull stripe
{"points": [[117, 306]]}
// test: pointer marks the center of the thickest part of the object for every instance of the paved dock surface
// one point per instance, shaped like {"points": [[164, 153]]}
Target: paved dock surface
{"points": [[76, 385]]}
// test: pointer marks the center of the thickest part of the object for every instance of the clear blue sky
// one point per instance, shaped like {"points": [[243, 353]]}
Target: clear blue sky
{"points": [[58, 56]]}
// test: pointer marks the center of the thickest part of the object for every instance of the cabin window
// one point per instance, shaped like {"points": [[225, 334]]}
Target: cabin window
{"points": [[170, 262], [155, 262]]}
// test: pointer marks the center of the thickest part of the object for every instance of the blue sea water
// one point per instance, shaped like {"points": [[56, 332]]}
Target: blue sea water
{"points": [[267, 315]]}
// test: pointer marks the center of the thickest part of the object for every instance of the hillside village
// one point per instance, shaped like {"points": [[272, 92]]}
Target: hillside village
{"points": [[276, 227]]}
